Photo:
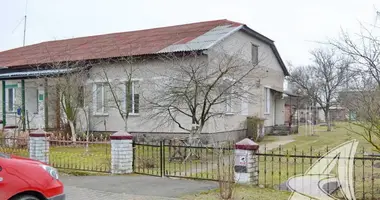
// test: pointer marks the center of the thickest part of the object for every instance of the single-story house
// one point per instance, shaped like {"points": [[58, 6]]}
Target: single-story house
{"points": [[29, 100]]}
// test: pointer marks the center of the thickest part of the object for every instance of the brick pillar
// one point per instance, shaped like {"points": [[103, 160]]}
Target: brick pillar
{"points": [[121, 153], [39, 146], [246, 162]]}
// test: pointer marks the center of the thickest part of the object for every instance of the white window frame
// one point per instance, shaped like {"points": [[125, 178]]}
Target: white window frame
{"points": [[13, 99], [244, 104], [95, 88], [133, 81], [228, 104], [267, 99]]}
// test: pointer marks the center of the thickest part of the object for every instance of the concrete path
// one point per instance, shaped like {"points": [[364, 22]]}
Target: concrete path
{"points": [[213, 165], [131, 187], [282, 140]]}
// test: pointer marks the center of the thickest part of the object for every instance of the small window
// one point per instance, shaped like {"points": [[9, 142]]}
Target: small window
{"points": [[228, 103], [80, 95], [255, 54], [100, 98], [10, 99], [132, 97], [267, 101]]}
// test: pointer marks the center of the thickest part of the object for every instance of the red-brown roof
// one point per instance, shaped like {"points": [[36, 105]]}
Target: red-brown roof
{"points": [[140, 42]]}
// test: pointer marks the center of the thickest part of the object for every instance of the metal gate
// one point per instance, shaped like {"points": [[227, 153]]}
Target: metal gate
{"points": [[148, 158], [164, 158]]}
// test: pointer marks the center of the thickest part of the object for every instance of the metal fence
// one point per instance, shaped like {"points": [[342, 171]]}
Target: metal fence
{"points": [[276, 167], [15, 146], [91, 153], [177, 159], [84, 154]]}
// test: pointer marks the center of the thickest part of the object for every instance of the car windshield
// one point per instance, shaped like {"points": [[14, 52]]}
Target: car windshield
{"points": [[4, 155]]}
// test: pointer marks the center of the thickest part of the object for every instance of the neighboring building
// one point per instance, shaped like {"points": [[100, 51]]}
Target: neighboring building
{"points": [[19, 74]]}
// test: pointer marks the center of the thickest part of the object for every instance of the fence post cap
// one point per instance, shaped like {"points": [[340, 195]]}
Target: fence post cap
{"points": [[10, 127], [39, 133], [247, 144], [121, 135]]}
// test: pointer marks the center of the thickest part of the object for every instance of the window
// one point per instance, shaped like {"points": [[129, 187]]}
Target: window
{"points": [[267, 101], [10, 99], [100, 94], [80, 96], [131, 97], [228, 101], [255, 54]]}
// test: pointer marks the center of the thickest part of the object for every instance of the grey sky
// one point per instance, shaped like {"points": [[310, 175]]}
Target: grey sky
{"points": [[292, 24]]}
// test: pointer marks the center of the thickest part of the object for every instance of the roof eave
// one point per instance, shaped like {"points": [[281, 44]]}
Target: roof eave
{"points": [[270, 43]]}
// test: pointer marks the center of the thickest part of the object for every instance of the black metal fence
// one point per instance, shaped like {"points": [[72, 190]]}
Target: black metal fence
{"points": [[93, 154], [176, 159], [276, 167]]}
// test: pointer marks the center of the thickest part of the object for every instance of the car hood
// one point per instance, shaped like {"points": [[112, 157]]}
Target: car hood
{"points": [[27, 160]]}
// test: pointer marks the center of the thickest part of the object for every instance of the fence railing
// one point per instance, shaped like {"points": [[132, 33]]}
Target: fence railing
{"points": [[276, 167], [165, 158], [178, 159], [92, 154], [15, 146]]}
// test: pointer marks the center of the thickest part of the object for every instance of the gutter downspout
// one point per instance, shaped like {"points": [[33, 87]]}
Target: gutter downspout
{"points": [[23, 104]]}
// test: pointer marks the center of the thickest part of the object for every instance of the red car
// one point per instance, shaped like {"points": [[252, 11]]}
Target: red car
{"points": [[27, 179]]}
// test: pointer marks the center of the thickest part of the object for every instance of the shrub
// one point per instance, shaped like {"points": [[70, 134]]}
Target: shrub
{"points": [[254, 126]]}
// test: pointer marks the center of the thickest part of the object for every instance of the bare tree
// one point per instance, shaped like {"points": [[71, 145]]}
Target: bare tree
{"points": [[322, 80], [122, 91], [363, 48], [195, 89], [68, 86], [362, 99]]}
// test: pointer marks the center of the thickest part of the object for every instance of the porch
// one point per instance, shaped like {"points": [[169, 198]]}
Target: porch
{"points": [[25, 104], [283, 113]]}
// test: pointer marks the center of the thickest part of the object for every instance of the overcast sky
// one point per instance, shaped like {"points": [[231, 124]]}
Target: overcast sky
{"points": [[294, 25]]}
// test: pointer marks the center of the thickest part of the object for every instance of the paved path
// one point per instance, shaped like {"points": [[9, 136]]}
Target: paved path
{"points": [[213, 165], [282, 140], [132, 187]]}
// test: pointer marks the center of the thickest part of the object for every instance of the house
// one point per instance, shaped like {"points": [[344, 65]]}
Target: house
{"points": [[28, 99]]}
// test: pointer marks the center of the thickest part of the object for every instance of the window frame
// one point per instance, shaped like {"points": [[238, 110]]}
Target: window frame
{"points": [[267, 99], [95, 98], [13, 100], [228, 104], [133, 97], [256, 56]]}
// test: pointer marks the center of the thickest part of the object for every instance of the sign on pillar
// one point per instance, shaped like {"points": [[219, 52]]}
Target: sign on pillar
{"points": [[246, 162]]}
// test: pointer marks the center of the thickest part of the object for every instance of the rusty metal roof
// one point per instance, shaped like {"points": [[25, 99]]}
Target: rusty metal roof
{"points": [[179, 38], [150, 41]]}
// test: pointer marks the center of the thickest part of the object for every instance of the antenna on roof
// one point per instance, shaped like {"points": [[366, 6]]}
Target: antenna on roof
{"points": [[25, 17]]}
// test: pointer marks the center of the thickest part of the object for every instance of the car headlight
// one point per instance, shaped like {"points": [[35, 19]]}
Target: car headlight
{"points": [[51, 170]]}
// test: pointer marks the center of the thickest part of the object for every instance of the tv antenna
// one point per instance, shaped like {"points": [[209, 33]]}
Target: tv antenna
{"points": [[25, 17], [23, 20]]}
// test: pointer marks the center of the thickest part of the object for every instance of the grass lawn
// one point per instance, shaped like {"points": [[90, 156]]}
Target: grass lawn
{"points": [[321, 140], [274, 170], [242, 192]]}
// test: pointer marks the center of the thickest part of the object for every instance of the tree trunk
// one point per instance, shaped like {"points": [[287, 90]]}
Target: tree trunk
{"points": [[327, 119], [73, 133], [194, 135]]}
